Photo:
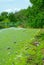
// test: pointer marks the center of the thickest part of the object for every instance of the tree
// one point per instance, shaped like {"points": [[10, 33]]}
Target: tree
{"points": [[11, 17], [36, 14], [4, 15]]}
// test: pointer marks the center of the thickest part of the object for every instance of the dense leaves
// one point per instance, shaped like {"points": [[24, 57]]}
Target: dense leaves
{"points": [[30, 17]]}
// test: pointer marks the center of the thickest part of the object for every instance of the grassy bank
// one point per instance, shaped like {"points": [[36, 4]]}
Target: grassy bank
{"points": [[20, 46]]}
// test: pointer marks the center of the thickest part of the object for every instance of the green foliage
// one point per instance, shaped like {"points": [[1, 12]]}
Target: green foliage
{"points": [[31, 17], [11, 17], [4, 15], [37, 2]]}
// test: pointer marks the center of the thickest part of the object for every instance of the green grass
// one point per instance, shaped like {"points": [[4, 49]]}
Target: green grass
{"points": [[16, 47]]}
